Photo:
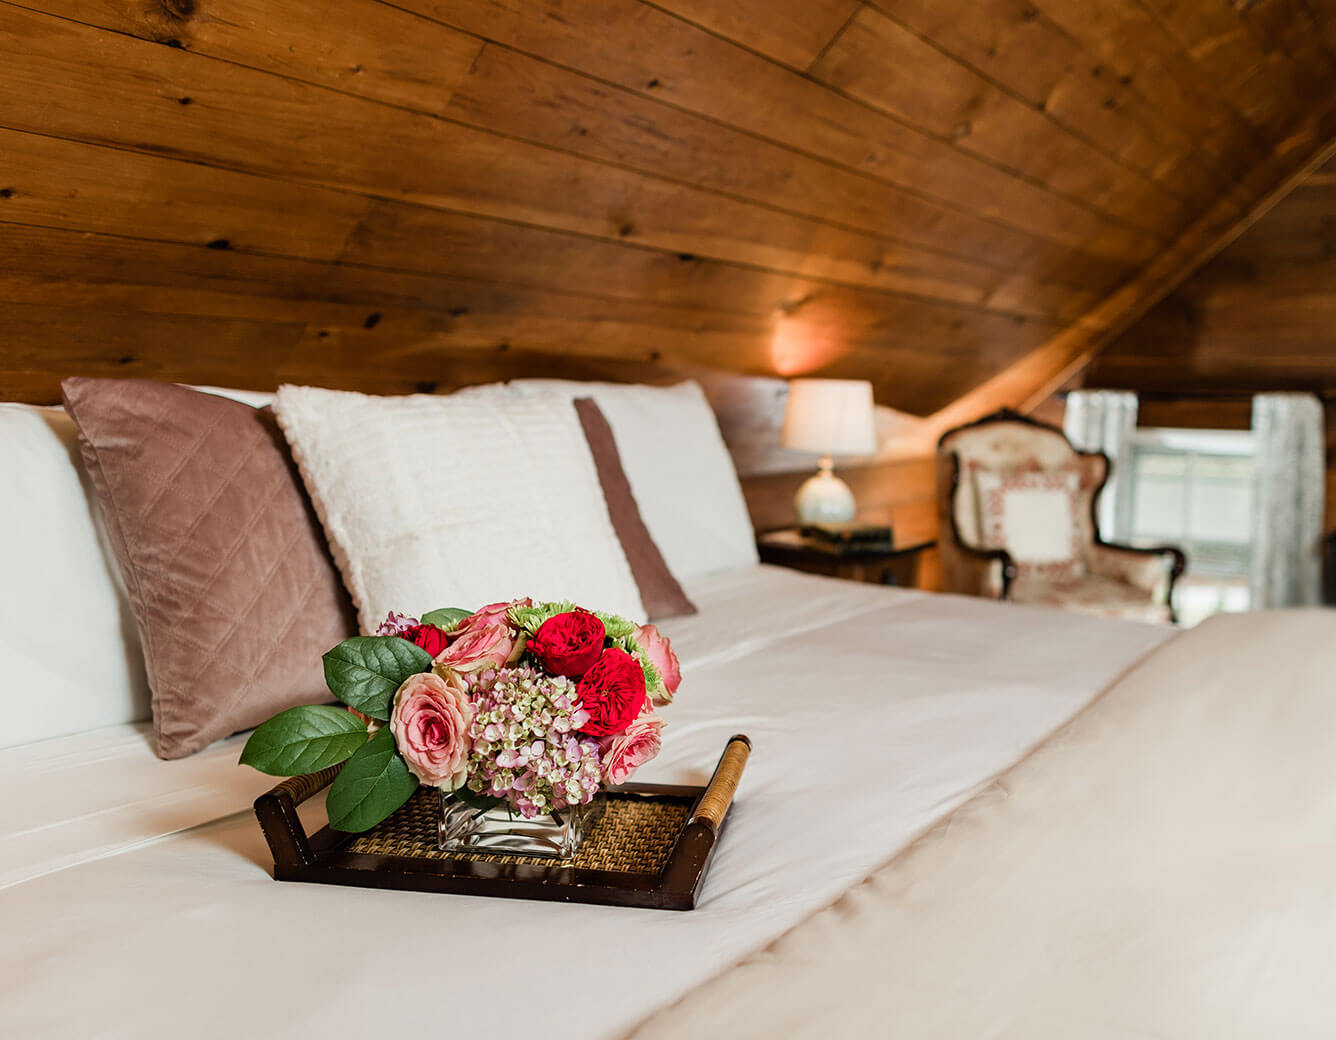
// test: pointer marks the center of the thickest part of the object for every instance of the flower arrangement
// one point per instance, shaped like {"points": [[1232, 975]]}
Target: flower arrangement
{"points": [[532, 706]]}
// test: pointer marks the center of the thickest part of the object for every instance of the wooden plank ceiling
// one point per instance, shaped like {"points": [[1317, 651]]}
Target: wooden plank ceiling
{"points": [[957, 199], [1260, 316]]}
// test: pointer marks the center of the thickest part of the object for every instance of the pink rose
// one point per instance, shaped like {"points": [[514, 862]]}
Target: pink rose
{"points": [[624, 753], [660, 652], [492, 614], [487, 646], [430, 723]]}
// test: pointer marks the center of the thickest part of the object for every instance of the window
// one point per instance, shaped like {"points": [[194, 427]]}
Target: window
{"points": [[1194, 489]]}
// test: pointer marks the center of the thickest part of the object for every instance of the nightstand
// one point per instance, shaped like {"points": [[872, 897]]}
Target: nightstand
{"points": [[899, 566]]}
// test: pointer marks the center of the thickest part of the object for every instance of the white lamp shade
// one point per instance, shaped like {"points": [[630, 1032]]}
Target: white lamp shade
{"points": [[830, 416]]}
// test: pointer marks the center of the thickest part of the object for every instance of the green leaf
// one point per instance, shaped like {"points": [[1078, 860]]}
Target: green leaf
{"points": [[303, 740], [372, 785], [364, 671], [446, 618]]}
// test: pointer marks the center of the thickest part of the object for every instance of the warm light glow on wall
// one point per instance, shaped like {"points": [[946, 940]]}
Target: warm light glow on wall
{"points": [[806, 340]]}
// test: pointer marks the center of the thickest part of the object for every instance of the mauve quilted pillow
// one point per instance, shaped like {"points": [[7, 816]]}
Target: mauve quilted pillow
{"points": [[231, 584]]}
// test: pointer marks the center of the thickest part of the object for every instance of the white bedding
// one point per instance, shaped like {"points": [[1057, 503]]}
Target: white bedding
{"points": [[1161, 868], [872, 713]]}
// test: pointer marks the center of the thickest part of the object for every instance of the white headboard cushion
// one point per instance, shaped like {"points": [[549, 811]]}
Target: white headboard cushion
{"points": [[70, 658]]}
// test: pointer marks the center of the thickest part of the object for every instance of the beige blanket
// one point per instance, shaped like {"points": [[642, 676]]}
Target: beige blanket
{"points": [[1164, 866]]}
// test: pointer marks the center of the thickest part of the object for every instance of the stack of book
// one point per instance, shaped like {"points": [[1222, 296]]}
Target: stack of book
{"points": [[843, 539]]}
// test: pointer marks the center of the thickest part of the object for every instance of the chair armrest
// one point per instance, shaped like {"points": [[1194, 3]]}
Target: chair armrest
{"points": [[1152, 569], [976, 572]]}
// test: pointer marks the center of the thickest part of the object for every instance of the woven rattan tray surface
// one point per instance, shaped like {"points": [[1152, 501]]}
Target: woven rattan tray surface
{"points": [[650, 846], [634, 834]]}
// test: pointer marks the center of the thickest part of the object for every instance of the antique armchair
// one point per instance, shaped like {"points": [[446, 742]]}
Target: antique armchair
{"points": [[1016, 504]]}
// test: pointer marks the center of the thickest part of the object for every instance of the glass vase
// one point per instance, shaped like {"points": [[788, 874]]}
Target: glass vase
{"points": [[503, 832]]}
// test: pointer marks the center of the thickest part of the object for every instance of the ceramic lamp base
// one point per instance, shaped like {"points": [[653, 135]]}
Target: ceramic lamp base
{"points": [[824, 498]]}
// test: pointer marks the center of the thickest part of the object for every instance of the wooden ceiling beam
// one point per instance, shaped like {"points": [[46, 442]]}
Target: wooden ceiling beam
{"points": [[1028, 382]]}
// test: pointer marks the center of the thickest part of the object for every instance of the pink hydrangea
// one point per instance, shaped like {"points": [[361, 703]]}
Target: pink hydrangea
{"points": [[527, 748], [397, 624]]}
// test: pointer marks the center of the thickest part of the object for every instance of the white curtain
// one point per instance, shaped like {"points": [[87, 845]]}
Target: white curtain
{"points": [[1288, 502], [1104, 420]]}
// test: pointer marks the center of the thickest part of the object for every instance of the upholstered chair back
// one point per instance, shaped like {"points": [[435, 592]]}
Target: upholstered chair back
{"points": [[1010, 444], [1099, 578]]}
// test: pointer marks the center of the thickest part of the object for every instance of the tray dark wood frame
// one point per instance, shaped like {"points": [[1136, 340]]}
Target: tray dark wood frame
{"points": [[321, 857]]}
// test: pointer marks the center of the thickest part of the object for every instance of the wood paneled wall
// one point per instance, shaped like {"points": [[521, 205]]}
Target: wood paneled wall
{"points": [[938, 196], [1260, 316]]}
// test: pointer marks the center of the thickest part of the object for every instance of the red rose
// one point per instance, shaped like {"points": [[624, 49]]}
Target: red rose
{"points": [[429, 637], [568, 644], [613, 692]]}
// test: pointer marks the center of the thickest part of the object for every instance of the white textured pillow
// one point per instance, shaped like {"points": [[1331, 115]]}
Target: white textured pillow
{"points": [[457, 501], [679, 469], [69, 650]]}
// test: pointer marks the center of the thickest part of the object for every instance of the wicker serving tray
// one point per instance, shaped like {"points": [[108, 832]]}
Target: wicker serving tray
{"points": [[650, 847]]}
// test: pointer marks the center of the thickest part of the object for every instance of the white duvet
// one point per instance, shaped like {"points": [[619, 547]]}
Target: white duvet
{"points": [[138, 901], [1164, 867]]}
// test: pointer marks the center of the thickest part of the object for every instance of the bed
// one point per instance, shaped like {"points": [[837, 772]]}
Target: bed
{"points": [[138, 903]]}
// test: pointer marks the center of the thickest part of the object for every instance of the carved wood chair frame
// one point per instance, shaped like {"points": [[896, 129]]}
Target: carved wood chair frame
{"points": [[1009, 415]]}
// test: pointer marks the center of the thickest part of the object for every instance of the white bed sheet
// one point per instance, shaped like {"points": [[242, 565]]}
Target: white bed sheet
{"points": [[872, 713]]}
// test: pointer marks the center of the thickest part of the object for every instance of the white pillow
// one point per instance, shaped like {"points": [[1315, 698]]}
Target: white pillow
{"points": [[1035, 516], [69, 652], [679, 469], [254, 398], [450, 501]]}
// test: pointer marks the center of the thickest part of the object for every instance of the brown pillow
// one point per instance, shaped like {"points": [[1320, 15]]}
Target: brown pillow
{"points": [[229, 577], [659, 590]]}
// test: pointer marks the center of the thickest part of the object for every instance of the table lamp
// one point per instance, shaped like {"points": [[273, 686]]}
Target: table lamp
{"points": [[832, 417]]}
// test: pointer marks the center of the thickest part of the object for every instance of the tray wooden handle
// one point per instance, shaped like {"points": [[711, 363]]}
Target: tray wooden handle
{"points": [[282, 827], [718, 796]]}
